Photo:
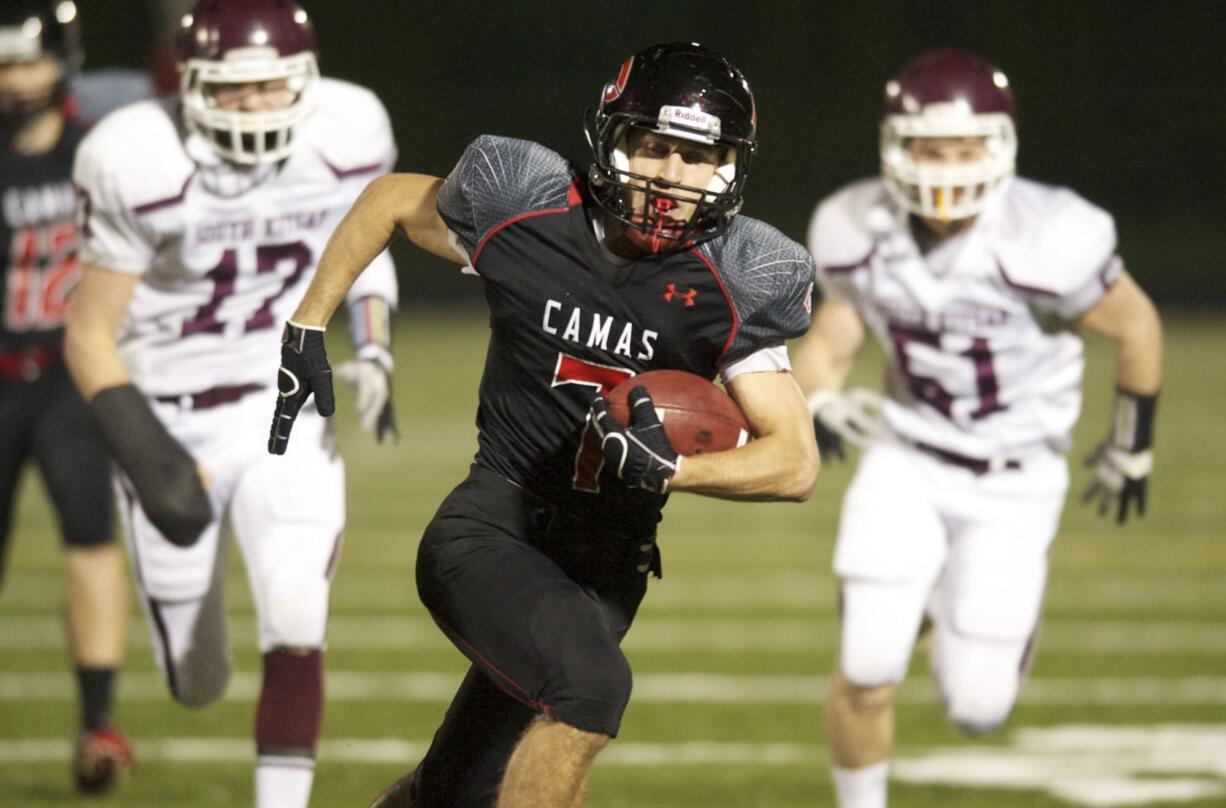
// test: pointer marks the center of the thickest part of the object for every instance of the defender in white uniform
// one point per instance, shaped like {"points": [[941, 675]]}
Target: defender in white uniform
{"points": [[975, 283], [204, 217]]}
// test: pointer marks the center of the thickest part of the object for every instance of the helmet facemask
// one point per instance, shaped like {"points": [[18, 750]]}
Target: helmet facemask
{"points": [[249, 137], [947, 192], [614, 185]]}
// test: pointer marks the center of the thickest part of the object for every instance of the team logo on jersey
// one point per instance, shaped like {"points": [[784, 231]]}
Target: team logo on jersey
{"points": [[613, 90], [686, 297]]}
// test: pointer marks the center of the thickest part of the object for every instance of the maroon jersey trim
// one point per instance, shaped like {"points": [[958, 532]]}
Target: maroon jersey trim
{"points": [[736, 322], [150, 207], [1021, 287], [572, 198], [345, 173], [841, 268]]}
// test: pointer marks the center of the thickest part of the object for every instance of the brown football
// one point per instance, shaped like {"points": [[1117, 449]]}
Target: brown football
{"points": [[698, 417]]}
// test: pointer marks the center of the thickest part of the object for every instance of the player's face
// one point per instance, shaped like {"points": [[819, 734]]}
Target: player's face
{"points": [[947, 151], [674, 164], [27, 84], [262, 96]]}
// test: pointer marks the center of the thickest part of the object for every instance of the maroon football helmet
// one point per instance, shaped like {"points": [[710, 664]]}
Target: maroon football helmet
{"points": [[948, 94], [246, 42]]}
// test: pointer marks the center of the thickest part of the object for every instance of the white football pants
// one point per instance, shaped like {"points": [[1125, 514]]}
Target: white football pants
{"points": [[918, 535], [287, 513]]}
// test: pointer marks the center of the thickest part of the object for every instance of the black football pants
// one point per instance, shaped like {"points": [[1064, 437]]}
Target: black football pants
{"points": [[539, 603], [46, 420]]}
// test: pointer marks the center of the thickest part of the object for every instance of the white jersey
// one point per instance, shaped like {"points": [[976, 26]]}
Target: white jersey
{"points": [[225, 254], [982, 361]]}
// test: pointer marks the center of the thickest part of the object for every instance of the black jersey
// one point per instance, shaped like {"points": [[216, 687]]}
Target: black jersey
{"points": [[566, 321], [38, 237]]}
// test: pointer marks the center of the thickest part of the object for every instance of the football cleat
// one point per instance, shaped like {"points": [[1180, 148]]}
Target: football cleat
{"points": [[103, 759]]}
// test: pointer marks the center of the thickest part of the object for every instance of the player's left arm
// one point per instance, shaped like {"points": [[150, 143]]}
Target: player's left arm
{"points": [[780, 463], [1123, 462]]}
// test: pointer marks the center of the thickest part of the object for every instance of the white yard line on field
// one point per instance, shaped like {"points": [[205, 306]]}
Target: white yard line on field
{"points": [[394, 751], [692, 635], [658, 688]]}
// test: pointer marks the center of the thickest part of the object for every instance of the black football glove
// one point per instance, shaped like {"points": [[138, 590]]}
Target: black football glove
{"points": [[304, 371], [640, 453], [1123, 462]]}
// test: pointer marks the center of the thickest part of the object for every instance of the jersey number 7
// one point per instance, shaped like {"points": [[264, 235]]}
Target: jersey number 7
{"points": [[602, 378]]}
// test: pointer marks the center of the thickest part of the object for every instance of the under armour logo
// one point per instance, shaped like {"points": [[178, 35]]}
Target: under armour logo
{"points": [[687, 296]]}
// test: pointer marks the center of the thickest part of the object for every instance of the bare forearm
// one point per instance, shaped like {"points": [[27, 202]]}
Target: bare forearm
{"points": [[1138, 357], [362, 235], [822, 360], [90, 351], [1128, 318], [775, 467], [93, 362]]}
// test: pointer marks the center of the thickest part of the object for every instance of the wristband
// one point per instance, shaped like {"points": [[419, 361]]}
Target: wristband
{"points": [[1132, 426]]}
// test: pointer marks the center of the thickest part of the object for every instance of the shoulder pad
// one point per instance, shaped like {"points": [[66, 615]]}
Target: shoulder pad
{"points": [[350, 129], [845, 225], [1049, 240], [134, 156]]}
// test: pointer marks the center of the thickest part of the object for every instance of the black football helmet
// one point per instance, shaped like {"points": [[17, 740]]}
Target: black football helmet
{"points": [[30, 29], [684, 90]]}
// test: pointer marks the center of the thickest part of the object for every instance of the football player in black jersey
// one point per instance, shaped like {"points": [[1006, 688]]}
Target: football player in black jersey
{"points": [[535, 565], [44, 418]]}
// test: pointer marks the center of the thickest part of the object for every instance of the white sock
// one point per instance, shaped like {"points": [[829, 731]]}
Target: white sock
{"points": [[862, 788], [283, 782]]}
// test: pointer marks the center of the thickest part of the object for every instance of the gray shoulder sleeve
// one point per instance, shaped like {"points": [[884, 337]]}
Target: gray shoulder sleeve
{"points": [[769, 279], [496, 180]]}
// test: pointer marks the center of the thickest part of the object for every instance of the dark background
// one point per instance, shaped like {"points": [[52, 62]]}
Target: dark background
{"points": [[1124, 102]]}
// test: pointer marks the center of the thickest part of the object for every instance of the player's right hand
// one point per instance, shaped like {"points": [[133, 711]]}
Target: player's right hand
{"points": [[639, 453], [853, 416], [304, 371]]}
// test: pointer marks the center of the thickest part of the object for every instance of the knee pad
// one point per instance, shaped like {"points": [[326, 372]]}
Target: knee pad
{"points": [[979, 685], [297, 609], [866, 666]]}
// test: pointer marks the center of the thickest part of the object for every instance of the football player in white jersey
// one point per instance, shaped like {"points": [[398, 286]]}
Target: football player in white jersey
{"points": [[203, 218], [975, 282]]}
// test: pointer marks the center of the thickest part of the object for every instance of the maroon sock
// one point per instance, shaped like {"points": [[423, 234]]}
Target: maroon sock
{"points": [[291, 709]]}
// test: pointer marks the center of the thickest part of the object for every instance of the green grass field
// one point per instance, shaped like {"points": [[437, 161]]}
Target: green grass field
{"points": [[1126, 704]]}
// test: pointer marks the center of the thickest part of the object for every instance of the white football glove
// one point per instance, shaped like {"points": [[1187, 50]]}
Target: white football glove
{"points": [[853, 416], [372, 385], [1120, 480], [1123, 462]]}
